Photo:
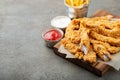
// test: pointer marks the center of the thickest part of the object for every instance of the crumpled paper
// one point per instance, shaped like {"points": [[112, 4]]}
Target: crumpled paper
{"points": [[115, 62]]}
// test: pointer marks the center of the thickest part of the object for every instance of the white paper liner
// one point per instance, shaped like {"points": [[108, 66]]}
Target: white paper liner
{"points": [[115, 62]]}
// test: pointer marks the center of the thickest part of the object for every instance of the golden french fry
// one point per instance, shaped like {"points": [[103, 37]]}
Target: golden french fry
{"points": [[68, 2], [77, 2], [80, 2], [86, 2], [72, 2]]}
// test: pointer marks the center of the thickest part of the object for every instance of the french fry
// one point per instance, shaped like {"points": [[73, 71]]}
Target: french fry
{"points": [[77, 2], [68, 2], [86, 2], [72, 2]]}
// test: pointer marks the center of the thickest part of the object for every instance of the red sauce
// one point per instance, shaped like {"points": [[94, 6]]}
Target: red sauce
{"points": [[52, 35]]}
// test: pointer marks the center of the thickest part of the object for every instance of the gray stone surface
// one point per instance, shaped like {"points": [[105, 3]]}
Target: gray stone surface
{"points": [[23, 55]]}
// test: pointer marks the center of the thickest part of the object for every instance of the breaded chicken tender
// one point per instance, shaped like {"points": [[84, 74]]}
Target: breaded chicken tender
{"points": [[102, 52], [90, 56], [110, 49], [110, 40], [105, 27], [72, 48], [72, 32], [90, 38]]}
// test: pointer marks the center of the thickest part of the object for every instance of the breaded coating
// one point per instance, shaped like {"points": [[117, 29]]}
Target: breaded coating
{"points": [[90, 38], [110, 49], [72, 48], [105, 27], [110, 40], [102, 52], [73, 32], [91, 57], [84, 36], [79, 55]]}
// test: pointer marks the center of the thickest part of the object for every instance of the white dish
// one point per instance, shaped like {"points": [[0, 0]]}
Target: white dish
{"points": [[60, 22]]}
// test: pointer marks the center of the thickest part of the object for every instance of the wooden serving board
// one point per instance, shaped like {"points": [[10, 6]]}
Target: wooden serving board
{"points": [[97, 68]]}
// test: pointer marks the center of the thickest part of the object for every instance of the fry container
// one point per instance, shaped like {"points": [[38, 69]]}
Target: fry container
{"points": [[50, 40], [76, 11]]}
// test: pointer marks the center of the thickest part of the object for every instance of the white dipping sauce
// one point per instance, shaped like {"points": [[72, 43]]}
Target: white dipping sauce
{"points": [[60, 22]]}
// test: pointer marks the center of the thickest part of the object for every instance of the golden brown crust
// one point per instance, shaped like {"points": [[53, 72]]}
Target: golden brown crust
{"points": [[102, 52], [110, 49], [105, 27], [87, 38], [90, 57], [72, 48], [110, 40]]}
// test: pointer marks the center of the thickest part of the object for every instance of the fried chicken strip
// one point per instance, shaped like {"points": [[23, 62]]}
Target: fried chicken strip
{"points": [[72, 31], [115, 32], [101, 29], [110, 49], [73, 36], [102, 52], [72, 48], [89, 56], [86, 38], [110, 40]]}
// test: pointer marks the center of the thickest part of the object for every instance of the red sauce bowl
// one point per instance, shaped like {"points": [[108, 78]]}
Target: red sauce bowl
{"points": [[52, 36]]}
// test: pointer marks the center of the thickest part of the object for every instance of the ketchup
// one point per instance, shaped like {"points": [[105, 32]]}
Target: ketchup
{"points": [[52, 35]]}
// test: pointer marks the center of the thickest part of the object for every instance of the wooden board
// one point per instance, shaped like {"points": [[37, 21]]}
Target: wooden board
{"points": [[97, 68]]}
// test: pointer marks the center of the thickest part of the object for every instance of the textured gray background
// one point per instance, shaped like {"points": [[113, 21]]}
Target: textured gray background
{"points": [[23, 55]]}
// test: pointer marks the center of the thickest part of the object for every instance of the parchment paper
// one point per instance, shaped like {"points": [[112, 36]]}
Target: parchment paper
{"points": [[115, 62]]}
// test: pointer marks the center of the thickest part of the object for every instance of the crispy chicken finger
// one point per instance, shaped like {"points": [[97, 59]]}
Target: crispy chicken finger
{"points": [[72, 48], [110, 40], [115, 32], [105, 27], [111, 49], [85, 38], [72, 31], [102, 52], [89, 56]]}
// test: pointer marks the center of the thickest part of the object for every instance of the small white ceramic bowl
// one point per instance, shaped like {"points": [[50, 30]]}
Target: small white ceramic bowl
{"points": [[60, 22]]}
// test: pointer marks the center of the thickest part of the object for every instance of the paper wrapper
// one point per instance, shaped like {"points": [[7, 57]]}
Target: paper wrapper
{"points": [[115, 62]]}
